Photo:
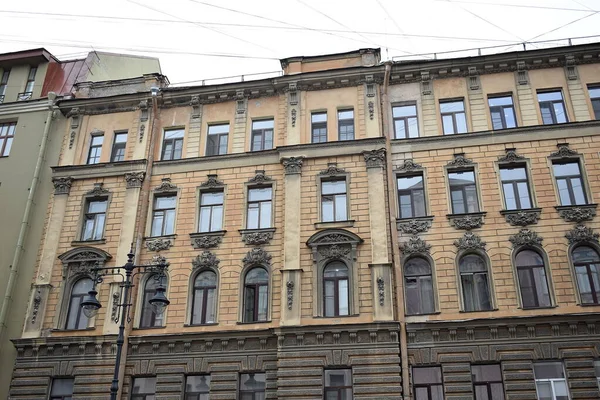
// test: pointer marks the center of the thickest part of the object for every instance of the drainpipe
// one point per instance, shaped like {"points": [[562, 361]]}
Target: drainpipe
{"points": [[14, 267], [142, 217], [385, 107]]}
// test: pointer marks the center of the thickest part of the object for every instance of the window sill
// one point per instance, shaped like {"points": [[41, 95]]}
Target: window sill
{"points": [[589, 304], [206, 240], [173, 236], [466, 221], [74, 330], [254, 322], [149, 327], [537, 308], [257, 236], [198, 325], [577, 213], [478, 311], [425, 314], [415, 225], [522, 217], [336, 316], [76, 243], [334, 224]]}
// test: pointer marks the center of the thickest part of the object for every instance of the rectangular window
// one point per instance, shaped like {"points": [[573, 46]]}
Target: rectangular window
{"points": [[252, 386], [550, 381], [216, 140], [259, 208], [515, 186], [118, 148], [62, 389], [463, 192], [7, 135], [172, 145], [406, 124], [319, 127], [502, 112], [411, 196], [143, 389], [197, 387], [454, 119], [95, 217], [30, 80], [334, 200], [262, 135], [4, 84], [597, 369], [346, 124], [338, 384], [487, 382], [594, 97], [163, 216], [569, 183], [95, 149], [427, 383], [552, 107], [211, 212]]}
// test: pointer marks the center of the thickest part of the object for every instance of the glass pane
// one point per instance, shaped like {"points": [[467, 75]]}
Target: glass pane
{"points": [[472, 263], [252, 217], [319, 117], [566, 169], [448, 124], [265, 214], [343, 300], [327, 208], [551, 370], [437, 393], [262, 303], [472, 201], [497, 391], [559, 111], [513, 174], [197, 384], [340, 208], [62, 387], [411, 182], [210, 306], [563, 192], [197, 306], [7, 148], [263, 124], [486, 373], [329, 298], [550, 96], [335, 269], [524, 195], [584, 253], [458, 205], [578, 191], [560, 389], [257, 275], [217, 218], [427, 299], [333, 187], [461, 178], [509, 196], [216, 129], [157, 222], [97, 206], [169, 222], [99, 226], [268, 140], [346, 114], [528, 258], [452, 106], [421, 394], [483, 294], [461, 123], [206, 278], [174, 133], [412, 295], [500, 101], [496, 115], [165, 202], [404, 111], [120, 137], [413, 128], [97, 140], [417, 266], [212, 198], [257, 142], [546, 111], [205, 219], [144, 385], [423, 375], [88, 229], [481, 393], [419, 203], [509, 116], [257, 194], [400, 129], [405, 206]]}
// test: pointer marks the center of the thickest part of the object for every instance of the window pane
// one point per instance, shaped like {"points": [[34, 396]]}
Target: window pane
{"points": [[524, 195], [216, 129], [205, 219], [486, 373], [551, 370], [546, 111], [346, 114], [62, 387], [327, 209], [461, 123], [424, 375], [165, 202], [265, 214], [496, 116], [400, 127], [578, 191], [329, 298], [7, 147], [452, 106], [144, 385], [340, 208], [412, 182], [458, 205], [331, 187], [212, 198], [509, 116], [509, 196], [448, 124], [343, 300], [550, 96], [252, 217], [169, 222], [157, 222], [472, 201], [472, 263], [413, 128], [500, 101], [257, 194], [217, 218], [319, 117], [461, 178], [563, 192], [263, 124], [559, 111], [566, 169], [404, 111], [99, 227], [509, 174], [481, 393], [197, 384], [97, 206]]}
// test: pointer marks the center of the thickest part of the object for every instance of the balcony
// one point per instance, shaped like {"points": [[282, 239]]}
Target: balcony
{"points": [[24, 96]]}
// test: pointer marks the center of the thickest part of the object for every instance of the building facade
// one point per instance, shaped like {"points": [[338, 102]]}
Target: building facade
{"points": [[31, 130], [352, 229]]}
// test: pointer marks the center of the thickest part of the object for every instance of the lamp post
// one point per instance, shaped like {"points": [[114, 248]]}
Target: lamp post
{"points": [[159, 302]]}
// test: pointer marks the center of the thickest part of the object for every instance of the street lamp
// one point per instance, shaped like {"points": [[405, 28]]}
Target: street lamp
{"points": [[158, 302]]}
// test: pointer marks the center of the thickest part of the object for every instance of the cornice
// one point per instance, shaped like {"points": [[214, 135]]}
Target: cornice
{"points": [[99, 170], [19, 107]]}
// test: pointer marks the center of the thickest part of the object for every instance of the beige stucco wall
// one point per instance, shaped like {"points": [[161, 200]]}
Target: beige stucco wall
{"points": [[107, 66], [18, 79]]}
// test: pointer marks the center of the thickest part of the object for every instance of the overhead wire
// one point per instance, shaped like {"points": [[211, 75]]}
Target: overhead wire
{"points": [[517, 5], [391, 17]]}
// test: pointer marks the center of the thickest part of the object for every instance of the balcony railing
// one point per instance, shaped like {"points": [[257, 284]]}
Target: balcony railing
{"points": [[24, 96], [1, 99]]}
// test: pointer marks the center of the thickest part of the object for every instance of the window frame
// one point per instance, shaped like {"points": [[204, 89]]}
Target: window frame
{"points": [[195, 395], [574, 265], [473, 168], [252, 392], [489, 280], [337, 389], [219, 136], [319, 125], [61, 396], [262, 132], [81, 297], [516, 165], [30, 80], [552, 103], [256, 297], [172, 142], [326, 176], [432, 276], [488, 383], [328, 179], [410, 193], [200, 207], [502, 110], [453, 114], [547, 272], [594, 101], [93, 147], [344, 123], [116, 146], [551, 380], [247, 203], [85, 217], [7, 137], [4, 84], [192, 298], [568, 179], [141, 396], [406, 119], [154, 199], [428, 385], [336, 290], [145, 294]]}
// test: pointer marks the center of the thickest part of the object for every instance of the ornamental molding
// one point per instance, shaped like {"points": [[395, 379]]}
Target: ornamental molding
{"points": [[460, 161], [260, 177], [335, 251], [292, 165], [82, 261], [206, 240], [466, 221], [581, 234], [470, 241], [98, 190], [62, 185], [165, 186], [409, 166], [526, 237], [257, 237], [577, 213], [37, 300], [375, 158], [415, 245], [290, 294], [333, 244], [511, 156], [414, 226], [134, 179], [257, 256], [564, 151], [332, 170], [211, 182], [381, 290], [207, 259], [114, 314], [294, 117], [158, 244], [522, 217]]}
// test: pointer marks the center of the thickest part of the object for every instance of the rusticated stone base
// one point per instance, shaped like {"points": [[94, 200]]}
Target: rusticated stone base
{"points": [[513, 343], [292, 358]]}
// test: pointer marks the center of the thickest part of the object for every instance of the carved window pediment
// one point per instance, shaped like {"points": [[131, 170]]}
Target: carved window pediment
{"points": [[82, 260], [207, 259], [333, 244]]}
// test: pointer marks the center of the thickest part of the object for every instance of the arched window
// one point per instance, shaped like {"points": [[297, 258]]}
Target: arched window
{"points": [[203, 298], [418, 284], [587, 269], [475, 283], [149, 318], [335, 289], [256, 295], [76, 319], [533, 282]]}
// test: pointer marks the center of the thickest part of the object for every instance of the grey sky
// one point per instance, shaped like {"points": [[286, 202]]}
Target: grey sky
{"points": [[182, 33]]}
